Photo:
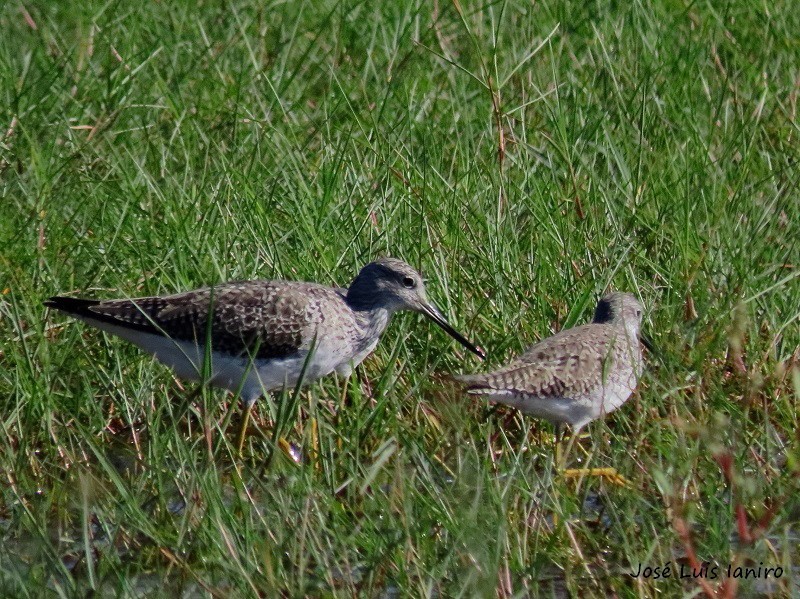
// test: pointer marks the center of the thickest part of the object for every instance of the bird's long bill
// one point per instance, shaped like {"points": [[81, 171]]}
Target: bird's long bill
{"points": [[433, 313], [647, 342]]}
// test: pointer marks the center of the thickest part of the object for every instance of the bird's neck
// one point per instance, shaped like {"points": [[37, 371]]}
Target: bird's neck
{"points": [[364, 296], [372, 323], [634, 346], [630, 329], [372, 308], [632, 332]]}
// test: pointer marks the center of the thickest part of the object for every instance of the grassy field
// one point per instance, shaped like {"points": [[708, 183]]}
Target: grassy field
{"points": [[527, 156]]}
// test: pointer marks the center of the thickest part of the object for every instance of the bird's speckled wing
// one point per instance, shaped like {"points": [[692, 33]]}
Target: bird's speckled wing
{"points": [[568, 363], [265, 319]]}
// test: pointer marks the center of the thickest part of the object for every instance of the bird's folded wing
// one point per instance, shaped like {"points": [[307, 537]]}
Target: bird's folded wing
{"points": [[254, 318], [558, 366]]}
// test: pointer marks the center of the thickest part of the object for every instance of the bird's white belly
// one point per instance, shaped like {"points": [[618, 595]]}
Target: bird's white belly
{"points": [[556, 410], [277, 373], [344, 368], [188, 360], [616, 392], [239, 373], [235, 373], [251, 377]]}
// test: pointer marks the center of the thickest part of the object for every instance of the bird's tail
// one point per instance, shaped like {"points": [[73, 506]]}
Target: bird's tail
{"points": [[72, 305], [473, 384], [465, 380]]}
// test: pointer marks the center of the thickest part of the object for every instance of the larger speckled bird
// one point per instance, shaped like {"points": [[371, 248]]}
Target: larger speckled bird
{"points": [[265, 335], [578, 374]]}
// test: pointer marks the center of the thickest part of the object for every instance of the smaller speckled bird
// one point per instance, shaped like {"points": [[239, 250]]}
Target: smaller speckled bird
{"points": [[578, 374], [263, 334]]}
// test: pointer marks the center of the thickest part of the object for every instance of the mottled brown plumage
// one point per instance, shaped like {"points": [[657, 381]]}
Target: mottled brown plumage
{"points": [[263, 319], [265, 334], [576, 375]]}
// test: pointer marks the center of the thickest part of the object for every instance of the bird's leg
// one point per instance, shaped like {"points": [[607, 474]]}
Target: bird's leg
{"points": [[243, 429], [340, 409], [559, 437], [609, 473], [571, 441], [343, 400], [315, 442], [186, 402], [311, 419]]}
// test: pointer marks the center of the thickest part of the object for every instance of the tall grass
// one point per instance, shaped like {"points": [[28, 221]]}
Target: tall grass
{"points": [[526, 157]]}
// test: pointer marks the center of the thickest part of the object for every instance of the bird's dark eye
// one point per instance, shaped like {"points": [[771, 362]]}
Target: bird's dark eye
{"points": [[409, 282], [638, 313]]}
